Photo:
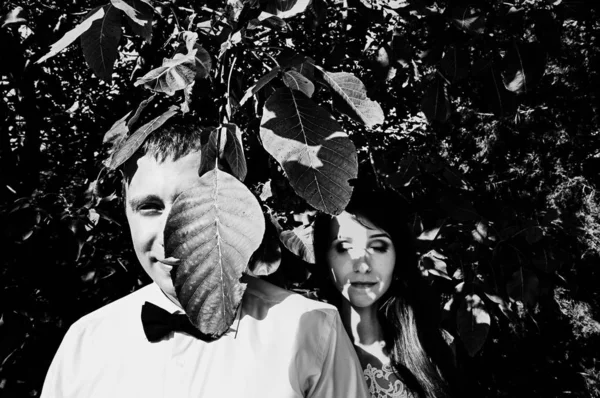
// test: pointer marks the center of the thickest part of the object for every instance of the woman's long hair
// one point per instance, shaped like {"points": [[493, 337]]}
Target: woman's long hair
{"points": [[407, 312]]}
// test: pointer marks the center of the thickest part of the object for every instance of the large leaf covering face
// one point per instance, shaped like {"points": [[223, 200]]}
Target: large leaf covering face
{"points": [[213, 229], [315, 153]]}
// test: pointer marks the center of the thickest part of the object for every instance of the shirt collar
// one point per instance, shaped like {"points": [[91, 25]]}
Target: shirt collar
{"points": [[161, 299]]}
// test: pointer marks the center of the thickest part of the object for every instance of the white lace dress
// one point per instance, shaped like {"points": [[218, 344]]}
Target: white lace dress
{"points": [[383, 383]]}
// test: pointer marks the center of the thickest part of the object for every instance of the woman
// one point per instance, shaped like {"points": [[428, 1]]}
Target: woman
{"points": [[369, 256]]}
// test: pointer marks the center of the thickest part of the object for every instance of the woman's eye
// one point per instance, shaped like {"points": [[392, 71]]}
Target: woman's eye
{"points": [[380, 248], [342, 247]]}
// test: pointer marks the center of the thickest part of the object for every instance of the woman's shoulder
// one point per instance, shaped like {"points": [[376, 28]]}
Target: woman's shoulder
{"points": [[383, 382]]}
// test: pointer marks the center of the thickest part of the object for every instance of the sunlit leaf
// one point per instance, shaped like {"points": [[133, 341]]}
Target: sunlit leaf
{"points": [[300, 242], [286, 8], [267, 258], [117, 131], [202, 57], [268, 20], [473, 322], [435, 263], [213, 229], [174, 74], [296, 81], [468, 18], [234, 152], [523, 286], [225, 143], [436, 101], [212, 151], [525, 63], [100, 41], [73, 34], [139, 110], [13, 17], [139, 16], [316, 154], [263, 81], [353, 92], [132, 144]]}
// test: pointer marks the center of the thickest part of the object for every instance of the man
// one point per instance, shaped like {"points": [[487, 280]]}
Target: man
{"points": [[281, 345]]}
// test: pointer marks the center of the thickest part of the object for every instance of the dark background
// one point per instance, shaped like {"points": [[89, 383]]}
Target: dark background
{"points": [[502, 176]]}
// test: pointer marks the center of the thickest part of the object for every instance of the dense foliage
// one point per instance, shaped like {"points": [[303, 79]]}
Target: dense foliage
{"points": [[483, 115]]}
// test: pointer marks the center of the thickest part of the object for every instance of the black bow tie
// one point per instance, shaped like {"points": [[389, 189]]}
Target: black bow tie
{"points": [[158, 323]]}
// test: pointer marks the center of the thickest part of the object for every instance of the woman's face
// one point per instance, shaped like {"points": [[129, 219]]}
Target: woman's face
{"points": [[361, 258]]}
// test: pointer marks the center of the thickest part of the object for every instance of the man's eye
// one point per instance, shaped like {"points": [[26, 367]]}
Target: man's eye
{"points": [[149, 208]]}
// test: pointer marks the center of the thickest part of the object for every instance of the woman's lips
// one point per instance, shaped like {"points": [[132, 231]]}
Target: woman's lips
{"points": [[363, 285]]}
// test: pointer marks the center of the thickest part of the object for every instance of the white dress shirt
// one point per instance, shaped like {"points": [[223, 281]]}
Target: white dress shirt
{"points": [[281, 345]]}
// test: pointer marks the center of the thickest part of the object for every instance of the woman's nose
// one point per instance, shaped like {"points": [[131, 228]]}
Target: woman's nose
{"points": [[361, 263]]}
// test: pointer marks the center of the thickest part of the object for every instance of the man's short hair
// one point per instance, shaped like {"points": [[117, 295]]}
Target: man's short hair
{"points": [[172, 140]]}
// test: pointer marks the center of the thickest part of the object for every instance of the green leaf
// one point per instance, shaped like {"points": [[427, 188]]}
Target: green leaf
{"points": [[436, 102], [100, 41], [300, 242], [234, 151], [263, 81], [473, 323], [73, 34], [132, 144], [174, 74], [455, 64], [13, 18], [315, 153], [523, 286], [268, 20], [352, 91], [435, 264], [525, 63], [296, 81], [139, 16], [468, 18], [117, 131], [316, 14], [534, 234], [458, 208], [286, 8], [213, 229], [139, 110], [115, 136], [495, 97], [202, 57], [211, 152], [229, 148], [129, 9]]}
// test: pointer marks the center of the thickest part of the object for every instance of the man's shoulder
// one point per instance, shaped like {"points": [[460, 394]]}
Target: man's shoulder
{"points": [[263, 294], [117, 311]]}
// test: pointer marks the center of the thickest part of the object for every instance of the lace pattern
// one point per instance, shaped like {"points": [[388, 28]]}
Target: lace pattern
{"points": [[383, 383]]}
